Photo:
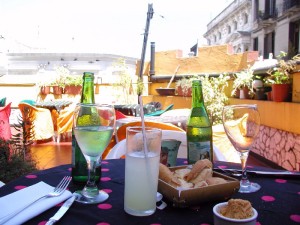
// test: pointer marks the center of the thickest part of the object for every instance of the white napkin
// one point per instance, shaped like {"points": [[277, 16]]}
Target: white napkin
{"points": [[23, 197]]}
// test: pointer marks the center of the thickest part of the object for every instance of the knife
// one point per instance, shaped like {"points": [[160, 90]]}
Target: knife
{"points": [[62, 210], [266, 173]]}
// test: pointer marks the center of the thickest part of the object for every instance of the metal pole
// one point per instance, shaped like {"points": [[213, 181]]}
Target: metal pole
{"points": [[149, 17]]}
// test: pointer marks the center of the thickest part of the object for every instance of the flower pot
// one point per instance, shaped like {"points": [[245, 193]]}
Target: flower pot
{"points": [[73, 90], [260, 94], [281, 92], [45, 90], [186, 92], [244, 93], [57, 90]]}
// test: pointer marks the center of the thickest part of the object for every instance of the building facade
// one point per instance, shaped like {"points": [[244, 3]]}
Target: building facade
{"points": [[232, 26], [276, 25], [266, 26]]}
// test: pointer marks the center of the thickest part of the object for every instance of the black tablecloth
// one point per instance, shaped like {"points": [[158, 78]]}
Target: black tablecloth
{"points": [[278, 201]]}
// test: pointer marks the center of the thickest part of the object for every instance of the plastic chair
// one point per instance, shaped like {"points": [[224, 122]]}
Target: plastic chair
{"points": [[5, 131], [64, 122], [2, 102], [121, 132], [119, 150], [159, 112], [38, 122]]}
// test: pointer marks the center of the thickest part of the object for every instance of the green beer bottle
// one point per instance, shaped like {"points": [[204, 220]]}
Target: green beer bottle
{"points": [[199, 129], [79, 165]]}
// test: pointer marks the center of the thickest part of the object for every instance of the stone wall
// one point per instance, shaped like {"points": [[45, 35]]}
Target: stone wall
{"points": [[280, 147]]}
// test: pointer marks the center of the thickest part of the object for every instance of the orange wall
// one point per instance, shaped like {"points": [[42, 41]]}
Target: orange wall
{"points": [[210, 59]]}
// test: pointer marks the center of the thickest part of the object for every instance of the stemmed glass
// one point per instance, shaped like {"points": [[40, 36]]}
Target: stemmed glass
{"points": [[93, 129], [241, 124]]}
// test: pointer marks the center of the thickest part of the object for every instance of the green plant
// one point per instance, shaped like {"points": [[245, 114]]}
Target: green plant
{"points": [[60, 78], [243, 79], [75, 80], [281, 74], [214, 96], [125, 92], [15, 158]]}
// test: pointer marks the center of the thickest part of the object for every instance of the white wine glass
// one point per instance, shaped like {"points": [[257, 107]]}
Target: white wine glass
{"points": [[93, 128], [241, 124]]}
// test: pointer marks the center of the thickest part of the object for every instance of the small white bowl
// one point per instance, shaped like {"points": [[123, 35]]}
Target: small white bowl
{"points": [[219, 219]]}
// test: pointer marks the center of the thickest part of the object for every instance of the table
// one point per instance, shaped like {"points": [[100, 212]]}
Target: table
{"points": [[278, 202], [57, 104]]}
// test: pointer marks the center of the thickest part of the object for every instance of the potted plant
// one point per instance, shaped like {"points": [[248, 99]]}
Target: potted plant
{"points": [[45, 86], [280, 78], [58, 84], [73, 84], [242, 84], [214, 96], [58, 87], [183, 86]]}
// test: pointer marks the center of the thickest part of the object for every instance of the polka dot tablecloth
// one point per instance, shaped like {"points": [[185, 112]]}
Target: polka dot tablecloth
{"points": [[278, 201]]}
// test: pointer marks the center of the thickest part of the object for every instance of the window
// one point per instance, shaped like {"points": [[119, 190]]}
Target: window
{"points": [[235, 25], [245, 18], [255, 44], [219, 35], [229, 29], [269, 44], [294, 38], [215, 38]]}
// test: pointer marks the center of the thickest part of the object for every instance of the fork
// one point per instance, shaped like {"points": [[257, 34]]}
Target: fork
{"points": [[57, 191]]}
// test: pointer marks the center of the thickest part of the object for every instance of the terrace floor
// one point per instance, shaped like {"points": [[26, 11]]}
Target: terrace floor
{"points": [[51, 154]]}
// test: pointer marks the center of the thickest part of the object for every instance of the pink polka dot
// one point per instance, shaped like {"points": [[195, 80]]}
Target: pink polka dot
{"points": [[222, 167], [103, 223], [104, 169], [70, 169], [281, 181], [104, 162], [19, 187], [42, 223], [268, 198], [295, 218], [250, 167], [196, 208], [107, 190], [31, 176], [204, 224], [185, 162], [257, 223], [299, 193], [104, 206], [105, 178]]}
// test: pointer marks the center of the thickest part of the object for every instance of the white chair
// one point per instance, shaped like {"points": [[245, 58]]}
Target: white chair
{"points": [[119, 149]]}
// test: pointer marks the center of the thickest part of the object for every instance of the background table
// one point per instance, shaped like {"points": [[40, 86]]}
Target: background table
{"points": [[278, 202]]}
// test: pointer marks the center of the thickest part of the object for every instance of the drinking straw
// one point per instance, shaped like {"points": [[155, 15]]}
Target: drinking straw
{"points": [[143, 127]]}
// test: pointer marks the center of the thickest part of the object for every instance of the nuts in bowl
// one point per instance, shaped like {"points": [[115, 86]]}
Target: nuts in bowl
{"points": [[235, 211]]}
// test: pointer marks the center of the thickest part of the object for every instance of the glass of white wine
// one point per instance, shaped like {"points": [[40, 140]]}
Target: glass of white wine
{"points": [[241, 124], [93, 128]]}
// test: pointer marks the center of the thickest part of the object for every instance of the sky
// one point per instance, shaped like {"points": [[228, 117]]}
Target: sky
{"points": [[107, 26]]}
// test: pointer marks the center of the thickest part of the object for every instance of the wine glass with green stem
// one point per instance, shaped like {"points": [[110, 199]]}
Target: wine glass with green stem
{"points": [[93, 129], [241, 124]]}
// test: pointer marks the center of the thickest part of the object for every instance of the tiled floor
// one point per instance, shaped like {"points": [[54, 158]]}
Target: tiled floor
{"points": [[51, 154]]}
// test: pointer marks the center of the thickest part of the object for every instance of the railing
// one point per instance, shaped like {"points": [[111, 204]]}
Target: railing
{"points": [[287, 5]]}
